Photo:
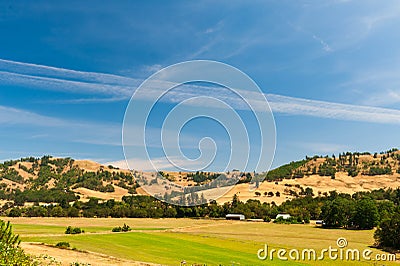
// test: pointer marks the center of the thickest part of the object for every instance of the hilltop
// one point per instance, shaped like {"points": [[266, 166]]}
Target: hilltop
{"points": [[50, 180], [348, 172], [63, 180]]}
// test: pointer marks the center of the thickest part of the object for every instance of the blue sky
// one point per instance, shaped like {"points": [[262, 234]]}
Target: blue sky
{"points": [[330, 70]]}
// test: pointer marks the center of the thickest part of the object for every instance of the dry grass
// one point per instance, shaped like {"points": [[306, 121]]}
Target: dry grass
{"points": [[342, 183], [86, 193], [216, 240], [66, 257]]}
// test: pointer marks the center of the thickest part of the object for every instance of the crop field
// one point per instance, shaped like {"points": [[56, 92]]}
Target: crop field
{"points": [[171, 241]]}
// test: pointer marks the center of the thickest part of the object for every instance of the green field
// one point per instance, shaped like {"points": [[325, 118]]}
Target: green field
{"points": [[211, 242]]}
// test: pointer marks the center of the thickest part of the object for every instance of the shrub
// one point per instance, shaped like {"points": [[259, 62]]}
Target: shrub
{"points": [[63, 245], [124, 228], [73, 230], [77, 231], [267, 219], [15, 212], [117, 229]]}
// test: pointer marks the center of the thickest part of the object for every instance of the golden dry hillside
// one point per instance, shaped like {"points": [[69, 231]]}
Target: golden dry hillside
{"points": [[47, 179], [345, 173]]}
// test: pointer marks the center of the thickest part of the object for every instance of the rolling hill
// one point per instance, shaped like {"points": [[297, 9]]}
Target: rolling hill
{"points": [[60, 180]]}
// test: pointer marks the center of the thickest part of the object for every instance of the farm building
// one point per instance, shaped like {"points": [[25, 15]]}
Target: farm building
{"points": [[283, 216], [235, 217]]}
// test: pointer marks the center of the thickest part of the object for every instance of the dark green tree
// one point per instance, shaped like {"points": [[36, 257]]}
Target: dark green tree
{"points": [[366, 215], [10, 252], [337, 213], [388, 232]]}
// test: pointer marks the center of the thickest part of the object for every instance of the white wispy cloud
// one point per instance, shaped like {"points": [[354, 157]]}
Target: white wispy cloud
{"points": [[60, 84], [158, 163], [203, 49], [10, 115], [323, 147], [118, 88], [297, 106], [389, 12], [383, 98], [86, 131], [215, 28], [49, 71], [86, 100], [377, 85], [73, 131], [60, 79], [325, 46]]}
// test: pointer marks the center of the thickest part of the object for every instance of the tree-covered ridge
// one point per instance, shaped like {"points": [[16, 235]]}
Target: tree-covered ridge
{"points": [[56, 180], [52, 180], [287, 171], [350, 163]]}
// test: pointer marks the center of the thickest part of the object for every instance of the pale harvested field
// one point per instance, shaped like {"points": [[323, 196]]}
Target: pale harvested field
{"points": [[169, 241], [167, 223], [66, 257]]}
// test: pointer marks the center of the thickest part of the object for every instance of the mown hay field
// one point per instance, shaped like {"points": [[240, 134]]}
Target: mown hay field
{"points": [[201, 241]]}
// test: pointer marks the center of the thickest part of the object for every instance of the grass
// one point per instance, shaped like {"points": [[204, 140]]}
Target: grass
{"points": [[26, 229], [169, 241], [165, 248]]}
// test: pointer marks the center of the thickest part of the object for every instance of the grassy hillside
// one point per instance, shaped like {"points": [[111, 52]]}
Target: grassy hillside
{"points": [[59, 180], [63, 180], [348, 173], [351, 163]]}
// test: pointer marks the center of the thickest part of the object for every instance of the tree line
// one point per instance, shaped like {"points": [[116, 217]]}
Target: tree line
{"points": [[362, 210]]}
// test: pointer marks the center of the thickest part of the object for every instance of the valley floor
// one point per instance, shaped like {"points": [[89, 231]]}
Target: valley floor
{"points": [[171, 241]]}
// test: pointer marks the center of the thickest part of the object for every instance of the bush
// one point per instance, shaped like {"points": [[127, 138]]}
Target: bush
{"points": [[117, 229], [15, 212], [124, 228], [63, 245], [267, 219], [77, 231], [73, 230]]}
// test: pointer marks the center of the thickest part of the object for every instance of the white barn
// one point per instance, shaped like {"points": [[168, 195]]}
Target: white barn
{"points": [[235, 217], [284, 216]]}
